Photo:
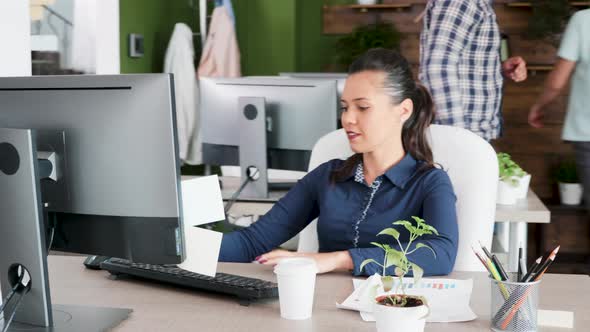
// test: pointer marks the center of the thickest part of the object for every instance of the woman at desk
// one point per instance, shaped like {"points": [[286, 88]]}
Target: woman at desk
{"points": [[391, 176]]}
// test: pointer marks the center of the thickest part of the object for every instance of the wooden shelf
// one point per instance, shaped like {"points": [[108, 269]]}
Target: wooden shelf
{"points": [[540, 67], [528, 4], [567, 209], [365, 8]]}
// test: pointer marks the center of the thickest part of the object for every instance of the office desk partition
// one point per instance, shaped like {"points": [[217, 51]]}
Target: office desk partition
{"points": [[158, 307]]}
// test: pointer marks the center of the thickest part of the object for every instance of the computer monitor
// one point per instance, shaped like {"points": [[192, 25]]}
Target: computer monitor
{"points": [[339, 77], [264, 122], [110, 174]]}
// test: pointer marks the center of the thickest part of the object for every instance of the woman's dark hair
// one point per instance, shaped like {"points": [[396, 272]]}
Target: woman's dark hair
{"points": [[399, 84]]}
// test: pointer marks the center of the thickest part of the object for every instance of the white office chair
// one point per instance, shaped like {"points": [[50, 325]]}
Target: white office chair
{"points": [[473, 169]]}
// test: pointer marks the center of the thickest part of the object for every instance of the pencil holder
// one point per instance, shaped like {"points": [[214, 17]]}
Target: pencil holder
{"points": [[514, 305]]}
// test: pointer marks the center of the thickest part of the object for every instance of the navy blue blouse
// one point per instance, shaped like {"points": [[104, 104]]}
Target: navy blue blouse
{"points": [[350, 213]]}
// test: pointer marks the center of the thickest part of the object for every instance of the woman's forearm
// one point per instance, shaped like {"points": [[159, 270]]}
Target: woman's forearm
{"points": [[343, 260]]}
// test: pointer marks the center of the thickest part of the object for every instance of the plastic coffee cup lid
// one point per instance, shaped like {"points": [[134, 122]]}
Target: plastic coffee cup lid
{"points": [[296, 265]]}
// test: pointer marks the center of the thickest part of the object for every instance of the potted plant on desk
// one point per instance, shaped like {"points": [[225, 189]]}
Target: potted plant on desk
{"points": [[398, 311], [570, 189], [513, 182]]}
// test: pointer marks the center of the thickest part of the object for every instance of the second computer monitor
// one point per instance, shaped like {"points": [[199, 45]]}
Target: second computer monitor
{"points": [[298, 113]]}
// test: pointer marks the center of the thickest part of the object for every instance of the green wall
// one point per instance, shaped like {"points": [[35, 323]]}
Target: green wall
{"points": [[282, 35], [314, 50], [155, 20], [266, 35], [273, 35]]}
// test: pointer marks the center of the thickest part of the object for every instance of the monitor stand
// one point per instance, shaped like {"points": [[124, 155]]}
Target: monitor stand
{"points": [[253, 153], [23, 244]]}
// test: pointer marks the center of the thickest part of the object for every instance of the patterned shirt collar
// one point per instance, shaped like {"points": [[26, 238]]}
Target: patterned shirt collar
{"points": [[399, 174]]}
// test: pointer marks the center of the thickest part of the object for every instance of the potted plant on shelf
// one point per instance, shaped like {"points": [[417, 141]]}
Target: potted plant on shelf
{"points": [[570, 190], [364, 38], [513, 182], [398, 311], [548, 20], [366, 2]]}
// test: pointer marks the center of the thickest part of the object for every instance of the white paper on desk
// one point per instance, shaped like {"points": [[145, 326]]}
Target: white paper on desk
{"points": [[202, 250], [555, 318], [448, 299], [201, 201]]}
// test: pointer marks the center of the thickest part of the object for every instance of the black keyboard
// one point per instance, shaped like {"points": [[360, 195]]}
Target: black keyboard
{"points": [[246, 289]]}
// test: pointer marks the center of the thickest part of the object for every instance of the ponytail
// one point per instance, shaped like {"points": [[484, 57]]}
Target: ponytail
{"points": [[414, 137]]}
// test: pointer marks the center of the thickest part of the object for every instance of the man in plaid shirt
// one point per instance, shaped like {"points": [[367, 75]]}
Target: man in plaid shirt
{"points": [[460, 64]]}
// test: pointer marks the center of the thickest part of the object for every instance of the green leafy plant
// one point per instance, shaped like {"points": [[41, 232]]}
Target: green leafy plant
{"points": [[548, 20], [566, 172], [364, 38], [399, 258], [509, 170]]}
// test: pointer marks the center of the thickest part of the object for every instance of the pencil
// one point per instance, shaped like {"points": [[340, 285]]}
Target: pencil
{"points": [[547, 262], [497, 276], [519, 273], [500, 268], [485, 250], [490, 268], [480, 259], [532, 269], [543, 265], [520, 301]]}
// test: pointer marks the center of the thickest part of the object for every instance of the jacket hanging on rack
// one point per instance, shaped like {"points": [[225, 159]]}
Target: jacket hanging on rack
{"points": [[83, 52], [228, 7], [179, 61], [221, 55]]}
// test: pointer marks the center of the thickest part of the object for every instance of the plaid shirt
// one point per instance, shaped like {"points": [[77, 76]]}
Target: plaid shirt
{"points": [[460, 64]]}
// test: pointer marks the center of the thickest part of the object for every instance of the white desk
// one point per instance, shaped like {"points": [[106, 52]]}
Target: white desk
{"points": [[158, 307], [518, 216]]}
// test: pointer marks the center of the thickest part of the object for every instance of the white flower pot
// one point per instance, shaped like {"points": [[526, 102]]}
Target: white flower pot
{"points": [[396, 319], [523, 186], [367, 2], [570, 193], [507, 193]]}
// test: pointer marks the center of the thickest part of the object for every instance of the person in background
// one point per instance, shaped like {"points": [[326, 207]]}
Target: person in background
{"points": [[573, 63], [460, 64], [391, 176]]}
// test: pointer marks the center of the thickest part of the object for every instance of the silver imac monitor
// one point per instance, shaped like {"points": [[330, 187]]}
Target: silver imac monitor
{"points": [[88, 164], [339, 77], [309, 75], [293, 115]]}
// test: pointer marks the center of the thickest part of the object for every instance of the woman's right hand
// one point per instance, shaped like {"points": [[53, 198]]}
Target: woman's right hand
{"points": [[536, 116]]}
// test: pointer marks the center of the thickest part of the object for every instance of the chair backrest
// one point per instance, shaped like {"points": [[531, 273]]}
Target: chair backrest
{"points": [[472, 167]]}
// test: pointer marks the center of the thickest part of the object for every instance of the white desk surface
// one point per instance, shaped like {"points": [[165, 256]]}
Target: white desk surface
{"points": [[529, 210], [160, 307]]}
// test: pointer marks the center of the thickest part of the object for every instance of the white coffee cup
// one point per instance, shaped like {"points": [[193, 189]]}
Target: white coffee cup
{"points": [[296, 279]]}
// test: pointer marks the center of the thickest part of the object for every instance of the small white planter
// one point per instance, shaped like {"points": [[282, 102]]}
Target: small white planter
{"points": [[523, 186], [507, 193], [396, 319], [570, 193], [366, 2]]}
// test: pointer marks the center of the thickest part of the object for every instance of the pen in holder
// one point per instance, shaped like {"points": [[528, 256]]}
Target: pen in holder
{"points": [[518, 311]]}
